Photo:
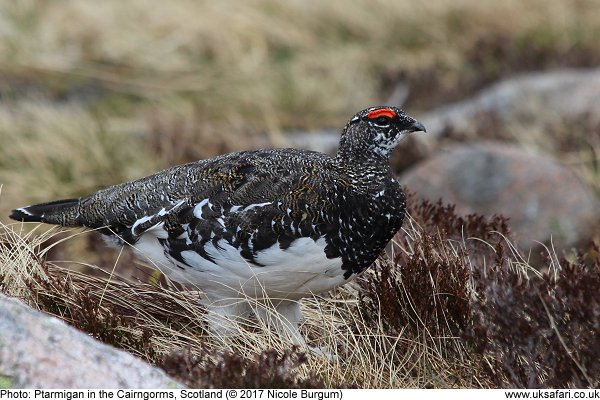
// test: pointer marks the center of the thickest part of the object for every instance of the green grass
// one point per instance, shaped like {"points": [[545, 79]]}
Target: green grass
{"points": [[5, 382]]}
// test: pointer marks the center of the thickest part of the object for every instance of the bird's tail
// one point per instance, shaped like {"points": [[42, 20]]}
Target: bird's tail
{"points": [[60, 212]]}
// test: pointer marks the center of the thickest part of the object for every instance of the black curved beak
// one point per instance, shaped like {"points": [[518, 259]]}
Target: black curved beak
{"points": [[417, 127]]}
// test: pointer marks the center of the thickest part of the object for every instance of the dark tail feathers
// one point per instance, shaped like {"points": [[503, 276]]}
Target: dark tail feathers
{"points": [[60, 212]]}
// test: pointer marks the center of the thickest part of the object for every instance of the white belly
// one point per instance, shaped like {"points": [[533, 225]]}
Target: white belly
{"points": [[298, 271]]}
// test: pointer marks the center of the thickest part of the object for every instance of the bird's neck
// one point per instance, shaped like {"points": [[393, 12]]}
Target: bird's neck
{"points": [[365, 167]]}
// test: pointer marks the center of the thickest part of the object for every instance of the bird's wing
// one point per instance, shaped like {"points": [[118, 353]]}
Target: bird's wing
{"points": [[248, 199], [263, 211]]}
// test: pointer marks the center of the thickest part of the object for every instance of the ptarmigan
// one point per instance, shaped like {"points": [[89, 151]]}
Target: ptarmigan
{"points": [[258, 227]]}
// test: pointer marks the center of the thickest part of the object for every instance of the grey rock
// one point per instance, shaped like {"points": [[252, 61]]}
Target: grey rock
{"points": [[542, 197], [40, 351], [528, 98]]}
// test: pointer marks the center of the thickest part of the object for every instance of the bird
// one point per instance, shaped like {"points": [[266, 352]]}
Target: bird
{"points": [[257, 230]]}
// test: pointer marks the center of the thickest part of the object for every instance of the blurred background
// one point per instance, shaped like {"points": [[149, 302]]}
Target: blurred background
{"points": [[97, 93]]}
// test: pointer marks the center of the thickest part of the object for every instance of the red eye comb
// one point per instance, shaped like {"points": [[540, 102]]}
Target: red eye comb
{"points": [[381, 112]]}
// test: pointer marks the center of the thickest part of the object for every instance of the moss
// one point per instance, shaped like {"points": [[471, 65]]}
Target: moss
{"points": [[6, 382]]}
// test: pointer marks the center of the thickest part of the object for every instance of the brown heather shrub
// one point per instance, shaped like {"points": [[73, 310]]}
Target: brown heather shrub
{"points": [[543, 331], [428, 286], [268, 370], [423, 291]]}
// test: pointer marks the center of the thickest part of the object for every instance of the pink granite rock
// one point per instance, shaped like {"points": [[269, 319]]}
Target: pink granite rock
{"points": [[39, 351], [542, 197]]}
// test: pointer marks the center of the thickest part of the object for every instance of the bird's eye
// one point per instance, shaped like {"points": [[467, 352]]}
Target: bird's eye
{"points": [[382, 121]]}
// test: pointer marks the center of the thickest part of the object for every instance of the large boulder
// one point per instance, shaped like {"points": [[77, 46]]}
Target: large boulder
{"points": [[537, 98], [39, 351], [543, 198]]}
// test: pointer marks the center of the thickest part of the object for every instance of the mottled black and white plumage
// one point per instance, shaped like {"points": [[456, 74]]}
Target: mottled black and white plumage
{"points": [[266, 225]]}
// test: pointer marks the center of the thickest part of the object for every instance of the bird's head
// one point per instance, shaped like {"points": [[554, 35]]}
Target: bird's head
{"points": [[376, 131]]}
